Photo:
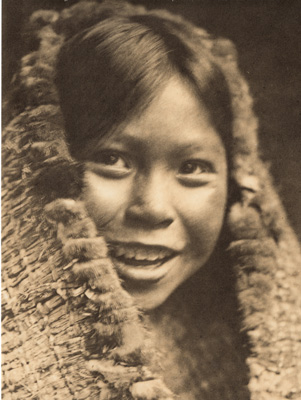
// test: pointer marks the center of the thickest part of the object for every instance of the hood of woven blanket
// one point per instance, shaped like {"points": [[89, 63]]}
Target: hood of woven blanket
{"points": [[49, 303]]}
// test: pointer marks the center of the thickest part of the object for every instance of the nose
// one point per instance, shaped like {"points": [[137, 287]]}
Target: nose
{"points": [[150, 206]]}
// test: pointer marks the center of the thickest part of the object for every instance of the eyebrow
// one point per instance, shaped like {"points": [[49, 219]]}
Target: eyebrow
{"points": [[135, 142]]}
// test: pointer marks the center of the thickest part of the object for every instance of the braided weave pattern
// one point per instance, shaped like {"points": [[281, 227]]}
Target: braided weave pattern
{"points": [[67, 308]]}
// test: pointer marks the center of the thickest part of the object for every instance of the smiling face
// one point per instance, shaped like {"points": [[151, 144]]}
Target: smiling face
{"points": [[157, 191]]}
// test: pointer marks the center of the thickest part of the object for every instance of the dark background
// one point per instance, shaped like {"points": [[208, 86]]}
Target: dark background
{"points": [[268, 38]]}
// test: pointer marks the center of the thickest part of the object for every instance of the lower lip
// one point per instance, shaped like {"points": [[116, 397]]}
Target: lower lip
{"points": [[150, 273]]}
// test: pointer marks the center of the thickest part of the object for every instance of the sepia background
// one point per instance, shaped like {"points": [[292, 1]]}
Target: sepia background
{"points": [[267, 35]]}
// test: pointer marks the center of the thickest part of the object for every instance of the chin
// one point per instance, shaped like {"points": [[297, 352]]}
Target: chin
{"points": [[149, 299]]}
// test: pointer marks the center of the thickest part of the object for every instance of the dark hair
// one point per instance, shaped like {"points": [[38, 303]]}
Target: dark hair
{"points": [[114, 69]]}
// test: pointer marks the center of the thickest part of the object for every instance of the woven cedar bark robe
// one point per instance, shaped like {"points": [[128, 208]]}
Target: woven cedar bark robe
{"points": [[70, 331]]}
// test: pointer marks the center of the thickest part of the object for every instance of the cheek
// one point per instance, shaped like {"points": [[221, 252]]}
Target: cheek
{"points": [[104, 199], [203, 215]]}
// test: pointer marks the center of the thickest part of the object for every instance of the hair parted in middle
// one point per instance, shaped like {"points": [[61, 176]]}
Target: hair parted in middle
{"points": [[113, 70]]}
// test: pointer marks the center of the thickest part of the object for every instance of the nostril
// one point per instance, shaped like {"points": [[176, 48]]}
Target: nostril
{"points": [[150, 217]]}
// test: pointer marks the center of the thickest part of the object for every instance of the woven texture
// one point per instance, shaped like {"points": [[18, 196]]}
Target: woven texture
{"points": [[70, 331]]}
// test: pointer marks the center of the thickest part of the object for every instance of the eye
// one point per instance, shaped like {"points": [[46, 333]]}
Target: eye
{"points": [[195, 167], [112, 159], [196, 173], [109, 164]]}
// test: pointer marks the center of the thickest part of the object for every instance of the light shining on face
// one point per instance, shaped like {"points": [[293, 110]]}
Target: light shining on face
{"points": [[157, 191]]}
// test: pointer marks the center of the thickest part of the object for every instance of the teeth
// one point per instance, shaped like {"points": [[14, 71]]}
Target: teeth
{"points": [[130, 254], [153, 256], [119, 251], [164, 253], [142, 254]]}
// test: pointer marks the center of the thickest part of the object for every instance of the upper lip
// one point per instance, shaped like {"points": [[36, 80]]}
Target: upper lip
{"points": [[114, 244]]}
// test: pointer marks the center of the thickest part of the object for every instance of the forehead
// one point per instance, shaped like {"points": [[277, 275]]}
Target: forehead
{"points": [[175, 116]]}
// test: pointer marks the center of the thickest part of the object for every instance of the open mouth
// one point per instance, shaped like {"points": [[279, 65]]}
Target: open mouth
{"points": [[140, 262]]}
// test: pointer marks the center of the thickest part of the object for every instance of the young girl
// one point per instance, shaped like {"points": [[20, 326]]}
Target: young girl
{"points": [[153, 257]]}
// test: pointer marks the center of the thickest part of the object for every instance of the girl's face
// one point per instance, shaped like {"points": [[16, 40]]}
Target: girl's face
{"points": [[157, 191]]}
